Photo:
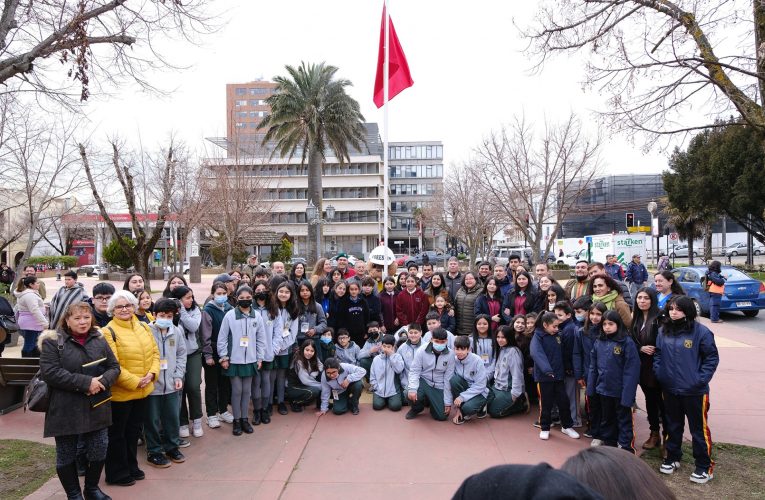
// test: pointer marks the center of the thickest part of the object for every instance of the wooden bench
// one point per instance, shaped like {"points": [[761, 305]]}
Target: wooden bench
{"points": [[15, 374]]}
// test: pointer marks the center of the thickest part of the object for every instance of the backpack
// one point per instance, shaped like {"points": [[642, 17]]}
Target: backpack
{"points": [[705, 282]]}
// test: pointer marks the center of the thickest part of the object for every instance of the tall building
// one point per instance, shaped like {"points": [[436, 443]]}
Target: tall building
{"points": [[246, 106], [416, 174]]}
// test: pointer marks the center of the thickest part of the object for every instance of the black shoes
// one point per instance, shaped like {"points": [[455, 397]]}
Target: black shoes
{"points": [[126, 481], [176, 456], [296, 408], [412, 413], [246, 427], [138, 475], [158, 460], [256, 417], [282, 409], [265, 417], [237, 430], [355, 410], [92, 475]]}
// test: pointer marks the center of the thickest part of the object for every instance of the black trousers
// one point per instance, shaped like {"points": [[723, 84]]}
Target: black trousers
{"points": [[695, 409], [551, 394], [217, 390], [127, 420], [616, 425], [654, 406]]}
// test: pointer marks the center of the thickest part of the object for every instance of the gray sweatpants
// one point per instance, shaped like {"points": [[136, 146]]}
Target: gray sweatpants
{"points": [[572, 393]]}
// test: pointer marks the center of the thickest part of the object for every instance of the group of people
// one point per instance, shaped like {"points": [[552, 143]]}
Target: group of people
{"points": [[465, 345]]}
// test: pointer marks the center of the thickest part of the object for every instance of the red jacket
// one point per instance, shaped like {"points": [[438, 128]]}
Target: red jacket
{"points": [[411, 307]]}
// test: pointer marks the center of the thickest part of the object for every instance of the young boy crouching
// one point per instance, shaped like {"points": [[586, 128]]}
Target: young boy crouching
{"points": [[468, 382]]}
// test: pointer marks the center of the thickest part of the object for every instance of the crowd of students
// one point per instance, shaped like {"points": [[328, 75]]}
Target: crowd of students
{"points": [[461, 345]]}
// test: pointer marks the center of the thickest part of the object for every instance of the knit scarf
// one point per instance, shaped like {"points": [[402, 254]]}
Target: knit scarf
{"points": [[607, 299]]}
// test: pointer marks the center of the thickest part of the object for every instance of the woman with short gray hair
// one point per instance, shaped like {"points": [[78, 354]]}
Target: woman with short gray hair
{"points": [[121, 294]]}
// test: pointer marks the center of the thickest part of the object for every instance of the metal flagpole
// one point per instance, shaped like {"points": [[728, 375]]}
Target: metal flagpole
{"points": [[386, 78]]}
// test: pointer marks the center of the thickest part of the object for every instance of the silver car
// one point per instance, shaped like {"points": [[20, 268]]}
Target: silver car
{"points": [[681, 251]]}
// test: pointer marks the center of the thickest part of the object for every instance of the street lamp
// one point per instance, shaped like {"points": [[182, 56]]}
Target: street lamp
{"points": [[652, 209], [314, 219]]}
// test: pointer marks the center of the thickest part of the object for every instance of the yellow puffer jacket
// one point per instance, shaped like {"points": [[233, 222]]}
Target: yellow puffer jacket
{"points": [[137, 354]]}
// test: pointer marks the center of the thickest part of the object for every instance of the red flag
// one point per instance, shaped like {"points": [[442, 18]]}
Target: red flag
{"points": [[399, 77]]}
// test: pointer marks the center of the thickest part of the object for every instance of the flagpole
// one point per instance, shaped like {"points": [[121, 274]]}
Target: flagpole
{"points": [[386, 78]]}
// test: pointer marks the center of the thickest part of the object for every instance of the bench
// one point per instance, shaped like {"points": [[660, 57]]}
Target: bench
{"points": [[15, 374]]}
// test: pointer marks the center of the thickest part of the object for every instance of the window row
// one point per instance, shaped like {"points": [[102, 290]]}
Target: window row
{"points": [[416, 171], [251, 114], [254, 91], [411, 189], [333, 169], [405, 206], [300, 217], [327, 193], [415, 152], [251, 102]]}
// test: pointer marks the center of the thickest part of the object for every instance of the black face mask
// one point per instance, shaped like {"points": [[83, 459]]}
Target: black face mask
{"points": [[244, 303], [261, 296]]}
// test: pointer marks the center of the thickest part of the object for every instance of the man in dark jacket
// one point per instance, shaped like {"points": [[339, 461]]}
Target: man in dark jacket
{"points": [[453, 278], [102, 292], [636, 275]]}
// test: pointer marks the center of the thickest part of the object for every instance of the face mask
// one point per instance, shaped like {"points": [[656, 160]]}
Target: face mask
{"points": [[164, 323], [261, 296], [438, 347], [220, 299], [326, 340], [245, 303], [580, 317]]}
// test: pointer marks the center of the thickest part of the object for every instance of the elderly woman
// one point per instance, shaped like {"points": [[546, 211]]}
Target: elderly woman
{"points": [[605, 289], [79, 406], [133, 345]]}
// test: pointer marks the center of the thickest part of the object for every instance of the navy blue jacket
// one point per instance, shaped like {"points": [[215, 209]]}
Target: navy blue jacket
{"points": [[583, 344], [547, 353], [505, 285], [568, 336], [636, 273], [614, 368], [685, 360]]}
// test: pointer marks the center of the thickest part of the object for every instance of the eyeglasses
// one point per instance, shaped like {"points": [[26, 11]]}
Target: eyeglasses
{"points": [[124, 307], [102, 299]]}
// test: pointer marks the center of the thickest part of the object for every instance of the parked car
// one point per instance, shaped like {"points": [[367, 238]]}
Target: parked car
{"points": [[681, 251], [400, 258], [742, 292], [735, 249], [434, 258], [92, 270], [760, 250]]}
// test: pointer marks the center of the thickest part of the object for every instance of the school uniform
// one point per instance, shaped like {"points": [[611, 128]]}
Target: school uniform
{"points": [[282, 350], [484, 348], [547, 352], [583, 344], [375, 307], [506, 394], [407, 350], [344, 398], [611, 386], [303, 386], [388, 310], [384, 381], [429, 377], [685, 360], [428, 336], [469, 384], [164, 403], [349, 354], [366, 356], [264, 379], [567, 332]]}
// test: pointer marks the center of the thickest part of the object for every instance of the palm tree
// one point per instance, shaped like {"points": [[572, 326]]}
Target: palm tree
{"points": [[311, 114]]}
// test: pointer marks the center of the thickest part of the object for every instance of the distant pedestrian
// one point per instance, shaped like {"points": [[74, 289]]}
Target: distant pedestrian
{"points": [[637, 275], [714, 283]]}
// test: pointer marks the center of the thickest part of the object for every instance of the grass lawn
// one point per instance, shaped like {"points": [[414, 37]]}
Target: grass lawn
{"points": [[739, 473], [24, 467]]}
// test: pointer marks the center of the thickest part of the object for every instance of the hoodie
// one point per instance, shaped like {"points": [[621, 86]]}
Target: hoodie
{"points": [[351, 373], [242, 338], [472, 370], [348, 354], [172, 358], [436, 369], [547, 353], [383, 373], [614, 368], [190, 321], [407, 350], [30, 307], [508, 371]]}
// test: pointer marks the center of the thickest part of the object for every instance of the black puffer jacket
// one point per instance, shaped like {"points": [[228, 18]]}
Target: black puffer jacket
{"points": [[69, 410]]}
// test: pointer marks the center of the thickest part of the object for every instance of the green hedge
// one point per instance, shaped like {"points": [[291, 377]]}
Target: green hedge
{"points": [[53, 260]]}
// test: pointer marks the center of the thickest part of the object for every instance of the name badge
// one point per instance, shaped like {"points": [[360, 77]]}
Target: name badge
{"points": [[303, 327], [244, 342], [163, 364], [485, 357], [335, 394]]}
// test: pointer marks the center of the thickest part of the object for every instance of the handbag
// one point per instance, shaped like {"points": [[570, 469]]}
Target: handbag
{"points": [[36, 394], [8, 325]]}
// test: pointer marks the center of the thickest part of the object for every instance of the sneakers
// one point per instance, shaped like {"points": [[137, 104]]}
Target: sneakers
{"points": [[587, 433], [197, 428], [596, 442], [227, 417], [570, 432], [296, 407], [158, 461], [482, 413], [175, 456], [412, 414], [213, 422], [184, 443], [544, 435], [183, 431], [355, 410], [669, 467], [700, 476]]}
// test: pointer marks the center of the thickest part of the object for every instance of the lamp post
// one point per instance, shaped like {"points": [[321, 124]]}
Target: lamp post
{"points": [[314, 218], [652, 208]]}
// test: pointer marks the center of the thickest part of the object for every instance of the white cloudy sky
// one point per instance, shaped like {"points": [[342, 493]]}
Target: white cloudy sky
{"points": [[466, 60]]}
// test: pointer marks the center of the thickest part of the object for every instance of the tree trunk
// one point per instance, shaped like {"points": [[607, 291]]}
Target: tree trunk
{"points": [[691, 232], [229, 259], [142, 267], [708, 242], [315, 195]]}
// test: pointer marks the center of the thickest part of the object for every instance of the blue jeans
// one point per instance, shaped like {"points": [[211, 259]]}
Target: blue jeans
{"points": [[714, 306], [30, 343]]}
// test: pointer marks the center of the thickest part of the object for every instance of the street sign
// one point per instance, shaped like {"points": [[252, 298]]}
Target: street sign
{"points": [[588, 239], [398, 242], [673, 237], [639, 229]]}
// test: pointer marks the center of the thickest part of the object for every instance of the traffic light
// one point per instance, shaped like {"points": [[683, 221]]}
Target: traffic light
{"points": [[630, 219]]}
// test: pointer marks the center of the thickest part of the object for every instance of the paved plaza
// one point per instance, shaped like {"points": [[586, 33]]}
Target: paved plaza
{"points": [[381, 455]]}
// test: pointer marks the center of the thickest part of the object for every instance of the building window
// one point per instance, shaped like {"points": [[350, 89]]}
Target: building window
{"points": [[241, 91], [240, 125], [240, 103], [261, 90]]}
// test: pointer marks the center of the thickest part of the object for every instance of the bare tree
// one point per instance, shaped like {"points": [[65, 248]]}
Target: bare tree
{"points": [[43, 172], [539, 178], [658, 60], [91, 41], [461, 212], [238, 201], [11, 228], [146, 185], [189, 201]]}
